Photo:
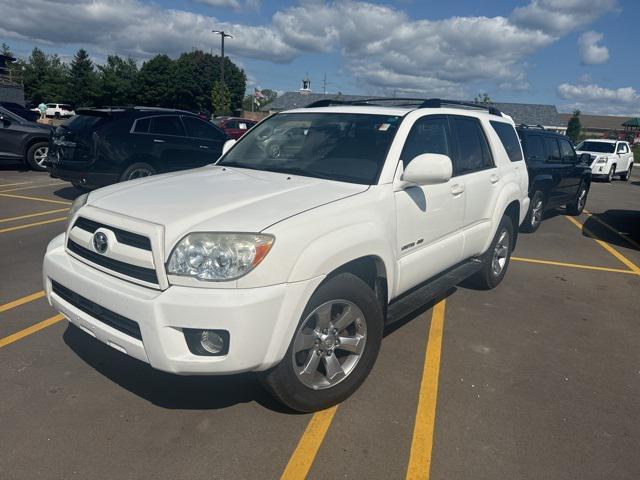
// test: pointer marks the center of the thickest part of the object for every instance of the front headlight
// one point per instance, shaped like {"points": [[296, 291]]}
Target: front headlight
{"points": [[602, 160], [218, 256], [77, 204]]}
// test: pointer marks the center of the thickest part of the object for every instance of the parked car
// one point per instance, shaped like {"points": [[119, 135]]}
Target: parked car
{"points": [[59, 110], [23, 142], [236, 127], [608, 158], [290, 266], [558, 176], [20, 111], [98, 147]]}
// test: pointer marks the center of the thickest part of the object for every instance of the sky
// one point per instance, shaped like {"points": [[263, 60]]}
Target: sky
{"points": [[569, 53]]}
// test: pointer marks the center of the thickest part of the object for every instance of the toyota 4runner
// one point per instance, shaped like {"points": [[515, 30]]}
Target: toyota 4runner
{"points": [[289, 261]]}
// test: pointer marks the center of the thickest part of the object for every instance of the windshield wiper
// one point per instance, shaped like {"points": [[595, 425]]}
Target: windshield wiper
{"points": [[300, 171]]}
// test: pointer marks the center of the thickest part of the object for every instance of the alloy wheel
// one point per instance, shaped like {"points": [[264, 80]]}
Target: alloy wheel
{"points": [[536, 213], [139, 173], [500, 253], [582, 199], [40, 156]]}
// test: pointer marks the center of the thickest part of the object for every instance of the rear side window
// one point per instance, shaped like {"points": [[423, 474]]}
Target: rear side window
{"points": [[509, 139], [566, 150], [553, 152], [428, 135], [200, 129], [142, 125], [167, 125], [472, 148], [86, 124], [534, 149]]}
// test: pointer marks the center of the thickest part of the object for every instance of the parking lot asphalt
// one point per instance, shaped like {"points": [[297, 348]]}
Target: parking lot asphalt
{"points": [[537, 379]]}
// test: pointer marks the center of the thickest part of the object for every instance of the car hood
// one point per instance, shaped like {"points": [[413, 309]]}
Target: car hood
{"points": [[218, 199], [598, 154]]}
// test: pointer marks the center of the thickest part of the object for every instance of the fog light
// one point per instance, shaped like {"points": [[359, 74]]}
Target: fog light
{"points": [[207, 342]]}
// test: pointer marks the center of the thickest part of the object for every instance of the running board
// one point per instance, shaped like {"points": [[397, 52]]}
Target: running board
{"points": [[419, 296]]}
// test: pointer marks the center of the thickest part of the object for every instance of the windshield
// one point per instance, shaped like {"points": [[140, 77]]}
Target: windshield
{"points": [[602, 147], [345, 147]]}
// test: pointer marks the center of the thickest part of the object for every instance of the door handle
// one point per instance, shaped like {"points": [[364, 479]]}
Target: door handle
{"points": [[494, 178], [157, 140], [204, 146], [457, 189]]}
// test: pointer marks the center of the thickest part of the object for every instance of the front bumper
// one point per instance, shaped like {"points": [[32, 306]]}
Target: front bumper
{"points": [[260, 321]]}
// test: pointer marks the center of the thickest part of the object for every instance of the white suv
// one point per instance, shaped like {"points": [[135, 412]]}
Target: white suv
{"points": [[290, 261], [608, 158], [59, 110]]}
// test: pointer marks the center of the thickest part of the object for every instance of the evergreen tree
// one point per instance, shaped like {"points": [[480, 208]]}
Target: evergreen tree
{"points": [[117, 81], [83, 80], [155, 85], [45, 77], [225, 108], [574, 126]]}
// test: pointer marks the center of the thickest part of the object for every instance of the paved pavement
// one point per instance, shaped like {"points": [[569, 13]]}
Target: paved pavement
{"points": [[537, 379]]}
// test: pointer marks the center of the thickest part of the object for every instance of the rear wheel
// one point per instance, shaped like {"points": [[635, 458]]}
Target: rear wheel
{"points": [[333, 349], [612, 172], [137, 170], [534, 216], [37, 155], [496, 259], [577, 205], [626, 175]]}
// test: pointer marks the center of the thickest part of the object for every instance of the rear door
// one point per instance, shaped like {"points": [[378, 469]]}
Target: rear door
{"points": [[207, 140], [553, 167], [169, 145], [571, 172]]}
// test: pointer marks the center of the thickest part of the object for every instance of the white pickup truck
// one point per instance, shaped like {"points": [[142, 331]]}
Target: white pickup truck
{"points": [[289, 261]]}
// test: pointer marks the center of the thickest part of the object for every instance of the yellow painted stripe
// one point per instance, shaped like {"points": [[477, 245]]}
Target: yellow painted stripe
{"points": [[305, 453], [21, 301], [14, 184], [29, 225], [29, 330], [573, 265], [606, 246], [420, 457], [630, 241], [34, 186], [31, 215], [37, 199]]}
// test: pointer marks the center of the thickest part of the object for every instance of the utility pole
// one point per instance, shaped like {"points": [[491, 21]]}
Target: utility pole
{"points": [[223, 35]]}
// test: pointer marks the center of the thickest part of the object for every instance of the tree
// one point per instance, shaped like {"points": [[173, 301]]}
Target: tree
{"points": [[155, 85], [225, 108], [574, 126], [482, 98], [83, 80], [45, 77], [13, 68], [117, 81]]}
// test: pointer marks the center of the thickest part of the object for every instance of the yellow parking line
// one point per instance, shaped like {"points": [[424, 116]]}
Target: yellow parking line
{"points": [[420, 457], [630, 241], [38, 199], [606, 246], [21, 301], [33, 186], [305, 453], [29, 330], [31, 215], [29, 225], [14, 184], [573, 265]]}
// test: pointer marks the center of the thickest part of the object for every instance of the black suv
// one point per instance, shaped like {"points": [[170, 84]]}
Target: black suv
{"points": [[557, 175], [21, 141], [101, 146]]}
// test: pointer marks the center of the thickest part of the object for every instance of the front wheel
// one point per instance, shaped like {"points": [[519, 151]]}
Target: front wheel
{"points": [[576, 207], [627, 175], [37, 156], [496, 259], [612, 172], [333, 349], [137, 170]]}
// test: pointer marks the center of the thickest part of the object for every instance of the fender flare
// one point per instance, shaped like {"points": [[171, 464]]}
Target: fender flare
{"points": [[509, 195]]}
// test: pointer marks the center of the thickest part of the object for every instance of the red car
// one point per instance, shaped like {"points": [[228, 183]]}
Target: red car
{"points": [[236, 127]]}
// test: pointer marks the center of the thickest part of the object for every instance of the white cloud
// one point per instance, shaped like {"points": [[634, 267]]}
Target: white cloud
{"points": [[590, 52], [593, 98], [234, 4]]}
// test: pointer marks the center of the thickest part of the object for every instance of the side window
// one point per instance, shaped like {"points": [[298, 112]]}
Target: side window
{"points": [[428, 135], [622, 148], [553, 152], [509, 140], [167, 125], [472, 148], [566, 150], [199, 129], [534, 149], [142, 125]]}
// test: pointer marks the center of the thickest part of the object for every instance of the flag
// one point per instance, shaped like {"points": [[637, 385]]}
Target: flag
{"points": [[258, 94]]}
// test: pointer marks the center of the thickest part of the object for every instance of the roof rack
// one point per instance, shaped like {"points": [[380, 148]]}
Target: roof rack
{"points": [[531, 127], [407, 102]]}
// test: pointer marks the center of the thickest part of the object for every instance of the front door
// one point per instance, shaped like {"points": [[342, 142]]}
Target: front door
{"points": [[430, 217], [206, 139], [571, 173], [11, 136], [624, 156]]}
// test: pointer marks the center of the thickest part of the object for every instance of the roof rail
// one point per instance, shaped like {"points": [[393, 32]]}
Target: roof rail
{"points": [[531, 127], [440, 103], [402, 102]]}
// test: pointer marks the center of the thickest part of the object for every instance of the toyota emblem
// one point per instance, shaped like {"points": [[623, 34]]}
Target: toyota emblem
{"points": [[100, 242]]}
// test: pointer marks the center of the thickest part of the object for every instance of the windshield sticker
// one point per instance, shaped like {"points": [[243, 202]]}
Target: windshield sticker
{"points": [[384, 127]]}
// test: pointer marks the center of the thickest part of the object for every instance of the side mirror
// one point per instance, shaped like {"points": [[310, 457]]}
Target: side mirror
{"points": [[584, 158], [227, 146], [428, 169], [4, 120]]}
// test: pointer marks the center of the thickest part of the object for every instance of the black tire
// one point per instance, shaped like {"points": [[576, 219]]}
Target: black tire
{"points": [[34, 156], [627, 175], [533, 219], [284, 383], [486, 278], [137, 170], [612, 173], [576, 207]]}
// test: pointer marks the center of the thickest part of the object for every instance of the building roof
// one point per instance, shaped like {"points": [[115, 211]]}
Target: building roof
{"points": [[530, 114], [632, 122], [597, 122]]}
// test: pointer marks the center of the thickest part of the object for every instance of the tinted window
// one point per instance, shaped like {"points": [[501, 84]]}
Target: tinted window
{"points": [[231, 124], [167, 125], [600, 147], [553, 152], [428, 135], [142, 125], [473, 151], [566, 150], [85, 124], [509, 140], [534, 149], [199, 129]]}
